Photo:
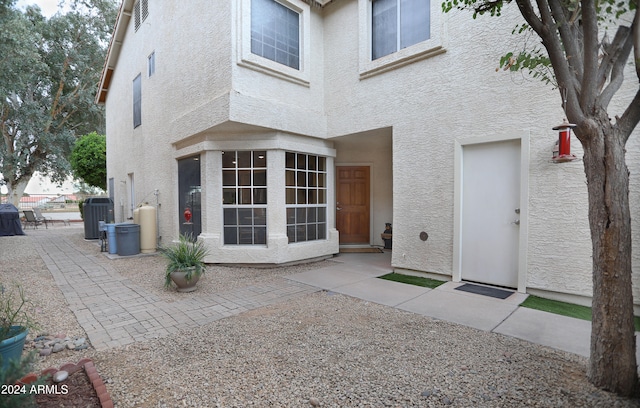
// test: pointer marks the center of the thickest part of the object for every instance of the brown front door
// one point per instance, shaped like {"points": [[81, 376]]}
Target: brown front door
{"points": [[352, 204]]}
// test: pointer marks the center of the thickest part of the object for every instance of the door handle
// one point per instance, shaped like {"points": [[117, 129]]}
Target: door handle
{"points": [[338, 208], [517, 222]]}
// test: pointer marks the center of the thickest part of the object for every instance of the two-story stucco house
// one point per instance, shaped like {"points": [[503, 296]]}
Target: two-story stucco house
{"points": [[289, 128]]}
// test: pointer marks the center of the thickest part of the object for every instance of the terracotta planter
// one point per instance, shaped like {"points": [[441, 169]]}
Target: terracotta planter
{"points": [[11, 348], [184, 285]]}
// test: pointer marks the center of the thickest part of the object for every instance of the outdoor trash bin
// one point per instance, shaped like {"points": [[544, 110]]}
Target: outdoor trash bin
{"points": [[112, 242], [128, 239], [96, 209]]}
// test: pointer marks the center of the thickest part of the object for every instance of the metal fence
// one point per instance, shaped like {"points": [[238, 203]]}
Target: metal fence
{"points": [[47, 202]]}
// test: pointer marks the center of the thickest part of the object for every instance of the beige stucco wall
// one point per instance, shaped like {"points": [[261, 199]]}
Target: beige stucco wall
{"points": [[460, 96], [207, 91]]}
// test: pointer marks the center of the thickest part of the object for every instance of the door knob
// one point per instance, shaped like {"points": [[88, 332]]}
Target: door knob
{"points": [[338, 208], [517, 222]]}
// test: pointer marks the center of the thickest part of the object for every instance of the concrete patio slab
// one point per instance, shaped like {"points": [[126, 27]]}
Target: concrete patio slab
{"points": [[382, 291], [330, 277], [559, 332], [480, 312]]}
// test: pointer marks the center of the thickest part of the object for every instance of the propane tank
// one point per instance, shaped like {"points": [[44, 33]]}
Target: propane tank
{"points": [[148, 229], [136, 215]]}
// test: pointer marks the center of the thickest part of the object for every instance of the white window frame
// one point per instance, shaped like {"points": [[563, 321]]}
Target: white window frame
{"points": [[151, 64], [246, 59], [237, 195], [435, 45], [294, 190]]}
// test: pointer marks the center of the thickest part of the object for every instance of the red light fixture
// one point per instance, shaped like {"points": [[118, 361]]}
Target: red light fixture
{"points": [[563, 152]]}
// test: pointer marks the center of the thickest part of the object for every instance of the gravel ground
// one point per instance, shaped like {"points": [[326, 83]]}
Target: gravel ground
{"points": [[324, 349]]}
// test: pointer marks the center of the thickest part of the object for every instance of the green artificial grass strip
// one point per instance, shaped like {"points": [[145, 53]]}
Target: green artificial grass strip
{"points": [[412, 280], [564, 309]]}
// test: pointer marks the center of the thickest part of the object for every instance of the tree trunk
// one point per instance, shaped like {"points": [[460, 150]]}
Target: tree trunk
{"points": [[15, 191], [612, 365]]}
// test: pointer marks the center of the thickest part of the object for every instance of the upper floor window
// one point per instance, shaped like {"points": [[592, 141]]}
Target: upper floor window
{"points": [[275, 32], [137, 101], [151, 66], [140, 12], [398, 24]]}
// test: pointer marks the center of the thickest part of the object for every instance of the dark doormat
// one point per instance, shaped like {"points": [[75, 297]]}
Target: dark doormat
{"points": [[485, 291]]}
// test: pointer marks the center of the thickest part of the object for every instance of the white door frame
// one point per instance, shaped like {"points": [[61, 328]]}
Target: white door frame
{"points": [[524, 204]]}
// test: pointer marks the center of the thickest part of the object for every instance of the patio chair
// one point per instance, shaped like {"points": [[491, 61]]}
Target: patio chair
{"points": [[30, 218], [42, 218]]}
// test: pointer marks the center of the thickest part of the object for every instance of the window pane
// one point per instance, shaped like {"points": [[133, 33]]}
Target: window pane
{"points": [[414, 21], [290, 160], [302, 196], [384, 28], [312, 179], [228, 160], [301, 233], [312, 196], [302, 179], [291, 215], [301, 215], [137, 101], [322, 214], [313, 162], [259, 216], [322, 231], [260, 159], [311, 214], [245, 196], [230, 235], [322, 196], [322, 177], [245, 216], [244, 177], [259, 177], [245, 235], [230, 216], [260, 235], [259, 195], [311, 232], [244, 159], [322, 164], [302, 161], [291, 233], [291, 196], [228, 178], [290, 177], [228, 196]]}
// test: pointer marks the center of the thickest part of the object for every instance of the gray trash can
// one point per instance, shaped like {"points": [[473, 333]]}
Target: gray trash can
{"points": [[96, 209], [128, 239]]}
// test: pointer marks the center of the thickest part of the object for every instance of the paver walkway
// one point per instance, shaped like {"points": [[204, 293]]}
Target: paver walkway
{"points": [[114, 311]]}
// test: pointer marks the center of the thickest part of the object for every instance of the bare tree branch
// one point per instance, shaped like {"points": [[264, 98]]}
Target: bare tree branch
{"points": [[630, 118], [569, 37], [615, 59], [636, 40], [591, 46]]}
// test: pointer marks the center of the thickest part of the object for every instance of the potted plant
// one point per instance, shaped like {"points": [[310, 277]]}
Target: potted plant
{"points": [[186, 263], [14, 324]]}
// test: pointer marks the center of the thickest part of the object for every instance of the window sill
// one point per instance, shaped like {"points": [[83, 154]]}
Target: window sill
{"points": [[399, 59], [270, 68]]}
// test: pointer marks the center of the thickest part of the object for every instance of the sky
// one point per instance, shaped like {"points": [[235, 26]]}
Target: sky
{"points": [[48, 7]]}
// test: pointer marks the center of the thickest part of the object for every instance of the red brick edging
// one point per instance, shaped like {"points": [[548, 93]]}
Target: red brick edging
{"points": [[89, 369]]}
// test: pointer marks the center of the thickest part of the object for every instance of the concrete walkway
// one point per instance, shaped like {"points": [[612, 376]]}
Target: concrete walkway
{"points": [[355, 275], [114, 311]]}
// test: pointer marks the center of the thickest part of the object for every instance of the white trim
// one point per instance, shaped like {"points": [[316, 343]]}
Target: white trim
{"points": [[524, 204], [246, 59]]}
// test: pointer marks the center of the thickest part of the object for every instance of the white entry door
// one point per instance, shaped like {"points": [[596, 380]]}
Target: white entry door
{"points": [[490, 213]]}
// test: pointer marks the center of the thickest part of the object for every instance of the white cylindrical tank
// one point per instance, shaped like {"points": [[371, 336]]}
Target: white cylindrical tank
{"points": [[136, 216], [148, 229]]}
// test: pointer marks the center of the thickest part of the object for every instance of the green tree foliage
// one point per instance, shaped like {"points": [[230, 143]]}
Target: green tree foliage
{"points": [[49, 72], [586, 47], [89, 160]]}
